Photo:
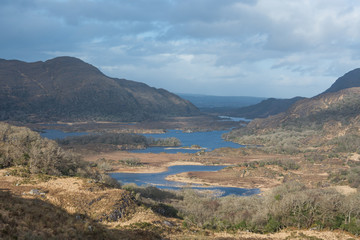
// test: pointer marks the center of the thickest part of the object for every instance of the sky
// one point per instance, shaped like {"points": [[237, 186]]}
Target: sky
{"points": [[263, 48]]}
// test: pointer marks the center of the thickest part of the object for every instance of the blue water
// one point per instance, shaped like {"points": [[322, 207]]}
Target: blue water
{"points": [[57, 134], [158, 180], [207, 140]]}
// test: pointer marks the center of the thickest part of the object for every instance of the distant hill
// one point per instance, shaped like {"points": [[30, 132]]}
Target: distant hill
{"points": [[265, 108], [342, 106], [340, 103], [215, 102], [272, 106], [322, 126], [66, 88], [349, 80]]}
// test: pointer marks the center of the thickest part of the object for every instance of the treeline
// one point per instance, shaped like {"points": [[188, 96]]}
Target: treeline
{"points": [[163, 142], [286, 164], [125, 139], [106, 138]]}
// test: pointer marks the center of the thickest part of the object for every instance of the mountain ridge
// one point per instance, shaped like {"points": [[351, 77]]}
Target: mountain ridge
{"points": [[67, 88], [324, 107], [348, 80]]}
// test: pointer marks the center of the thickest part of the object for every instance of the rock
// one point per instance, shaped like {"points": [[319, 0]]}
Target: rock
{"points": [[167, 223], [36, 192]]}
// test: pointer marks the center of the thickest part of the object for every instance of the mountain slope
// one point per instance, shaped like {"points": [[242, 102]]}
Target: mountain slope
{"points": [[328, 124], [340, 106], [66, 88], [273, 106], [349, 80]]}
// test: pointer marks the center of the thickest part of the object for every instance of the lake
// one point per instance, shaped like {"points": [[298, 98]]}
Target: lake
{"points": [[158, 180], [207, 140]]}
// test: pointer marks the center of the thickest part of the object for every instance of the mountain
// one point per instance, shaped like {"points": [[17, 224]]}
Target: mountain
{"points": [[349, 80], [322, 126], [272, 106], [340, 103], [265, 108], [342, 106], [66, 88], [213, 102]]}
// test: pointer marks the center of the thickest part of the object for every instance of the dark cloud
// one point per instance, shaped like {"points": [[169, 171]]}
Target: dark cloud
{"points": [[231, 46]]}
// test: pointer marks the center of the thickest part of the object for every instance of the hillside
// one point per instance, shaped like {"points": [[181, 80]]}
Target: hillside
{"points": [[340, 106], [265, 108], [327, 123], [66, 88], [349, 80], [272, 106]]}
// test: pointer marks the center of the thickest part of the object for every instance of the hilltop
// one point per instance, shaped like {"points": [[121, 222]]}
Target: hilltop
{"points": [[68, 89]]}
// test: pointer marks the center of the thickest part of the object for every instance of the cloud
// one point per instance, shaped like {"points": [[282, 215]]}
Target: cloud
{"points": [[230, 47]]}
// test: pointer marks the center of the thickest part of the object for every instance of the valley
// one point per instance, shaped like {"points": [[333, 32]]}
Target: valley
{"points": [[143, 210], [291, 173]]}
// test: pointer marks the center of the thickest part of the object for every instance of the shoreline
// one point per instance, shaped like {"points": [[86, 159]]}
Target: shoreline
{"points": [[177, 178], [159, 169], [160, 162]]}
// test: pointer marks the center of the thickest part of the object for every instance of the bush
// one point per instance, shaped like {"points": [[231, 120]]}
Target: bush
{"points": [[105, 138], [109, 181], [20, 146]]}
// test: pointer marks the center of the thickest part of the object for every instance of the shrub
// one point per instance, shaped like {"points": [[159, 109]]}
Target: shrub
{"points": [[108, 181], [19, 146]]}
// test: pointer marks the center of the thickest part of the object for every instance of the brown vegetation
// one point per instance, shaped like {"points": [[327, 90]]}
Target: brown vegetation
{"points": [[88, 208]]}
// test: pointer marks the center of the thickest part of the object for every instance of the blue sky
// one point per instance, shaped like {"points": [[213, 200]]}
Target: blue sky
{"points": [[265, 48]]}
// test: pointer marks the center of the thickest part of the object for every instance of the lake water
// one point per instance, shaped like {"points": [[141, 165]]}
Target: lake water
{"points": [[158, 180], [207, 140]]}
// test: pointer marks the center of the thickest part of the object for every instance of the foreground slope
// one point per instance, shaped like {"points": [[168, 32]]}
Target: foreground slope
{"points": [[66, 88]]}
